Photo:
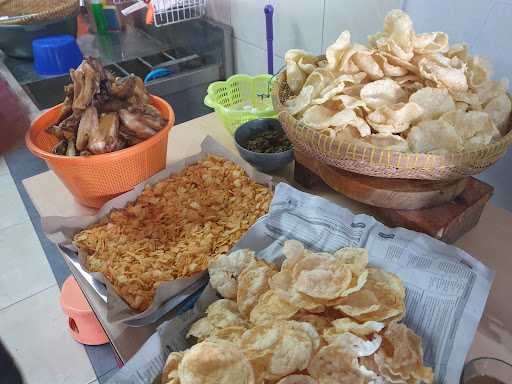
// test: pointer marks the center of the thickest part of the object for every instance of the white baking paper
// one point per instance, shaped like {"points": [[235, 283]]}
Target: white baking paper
{"points": [[446, 289], [168, 295]]}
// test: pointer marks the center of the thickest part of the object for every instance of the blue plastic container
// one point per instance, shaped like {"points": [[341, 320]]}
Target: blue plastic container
{"points": [[56, 55]]}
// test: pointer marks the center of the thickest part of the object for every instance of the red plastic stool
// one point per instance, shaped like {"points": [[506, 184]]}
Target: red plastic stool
{"points": [[83, 324]]}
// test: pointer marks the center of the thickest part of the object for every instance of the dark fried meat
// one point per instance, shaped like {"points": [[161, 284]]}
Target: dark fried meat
{"points": [[56, 131], [66, 109], [60, 148], [95, 63], [129, 139], [91, 85], [71, 123], [113, 105], [102, 113], [65, 128], [105, 138], [88, 124], [71, 150], [78, 83], [120, 143], [134, 125], [140, 92], [151, 110], [69, 90], [110, 76], [104, 93], [149, 116], [124, 88], [155, 123]]}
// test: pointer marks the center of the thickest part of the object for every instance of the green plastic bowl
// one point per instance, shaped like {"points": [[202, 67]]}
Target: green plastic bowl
{"points": [[241, 98]]}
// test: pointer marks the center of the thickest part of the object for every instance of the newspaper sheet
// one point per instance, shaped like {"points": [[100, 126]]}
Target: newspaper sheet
{"points": [[446, 289]]}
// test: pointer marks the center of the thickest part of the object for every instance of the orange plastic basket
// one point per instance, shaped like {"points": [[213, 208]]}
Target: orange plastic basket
{"points": [[93, 180]]}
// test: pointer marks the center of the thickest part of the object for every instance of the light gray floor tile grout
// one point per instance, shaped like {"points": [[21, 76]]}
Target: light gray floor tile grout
{"points": [[4, 170], [20, 223], [28, 297]]}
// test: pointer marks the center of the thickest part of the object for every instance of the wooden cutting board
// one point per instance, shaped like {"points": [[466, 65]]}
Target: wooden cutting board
{"points": [[443, 209]]}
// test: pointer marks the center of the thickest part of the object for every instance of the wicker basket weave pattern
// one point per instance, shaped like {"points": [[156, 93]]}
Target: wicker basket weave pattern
{"points": [[36, 11], [377, 162]]}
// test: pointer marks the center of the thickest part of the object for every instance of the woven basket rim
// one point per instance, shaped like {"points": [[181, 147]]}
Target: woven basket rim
{"points": [[452, 158]]}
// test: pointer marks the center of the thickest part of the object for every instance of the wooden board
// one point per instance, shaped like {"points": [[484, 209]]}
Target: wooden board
{"points": [[447, 221], [381, 192]]}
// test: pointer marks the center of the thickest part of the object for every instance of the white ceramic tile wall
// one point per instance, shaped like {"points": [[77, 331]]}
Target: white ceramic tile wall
{"points": [[298, 24], [219, 10], [252, 60], [360, 17], [248, 21], [32, 324], [485, 25], [304, 24]]}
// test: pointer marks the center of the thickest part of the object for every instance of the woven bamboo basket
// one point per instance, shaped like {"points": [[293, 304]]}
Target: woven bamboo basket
{"points": [[23, 12], [377, 162]]}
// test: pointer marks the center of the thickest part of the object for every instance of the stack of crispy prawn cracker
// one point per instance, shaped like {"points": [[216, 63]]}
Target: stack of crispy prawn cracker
{"points": [[321, 319]]}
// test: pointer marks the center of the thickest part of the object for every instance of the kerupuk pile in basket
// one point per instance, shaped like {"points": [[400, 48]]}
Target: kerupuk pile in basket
{"points": [[407, 105]]}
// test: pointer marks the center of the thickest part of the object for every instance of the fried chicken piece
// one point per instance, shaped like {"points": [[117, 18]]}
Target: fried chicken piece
{"points": [[56, 131], [149, 116], [71, 150], [60, 148], [66, 128], [140, 92], [155, 123], [66, 109], [132, 122], [77, 77], [151, 110], [69, 135], [102, 113], [95, 63], [104, 139], [120, 143], [89, 85], [103, 95], [123, 88], [110, 76], [113, 105], [70, 124], [69, 90], [127, 137], [88, 124]]}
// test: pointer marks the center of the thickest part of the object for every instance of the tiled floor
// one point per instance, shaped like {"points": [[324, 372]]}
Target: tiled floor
{"points": [[32, 325]]}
